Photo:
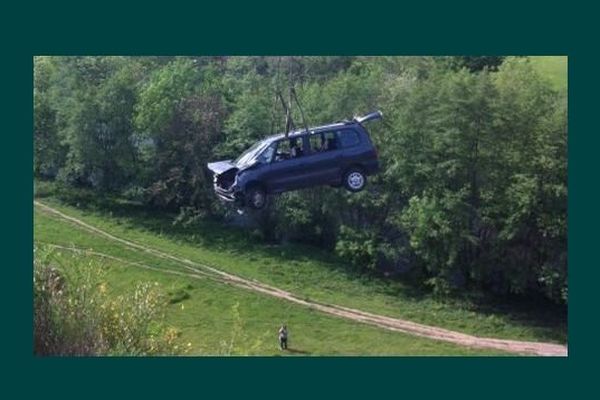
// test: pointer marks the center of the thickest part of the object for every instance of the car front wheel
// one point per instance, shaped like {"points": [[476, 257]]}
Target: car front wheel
{"points": [[256, 198], [355, 180]]}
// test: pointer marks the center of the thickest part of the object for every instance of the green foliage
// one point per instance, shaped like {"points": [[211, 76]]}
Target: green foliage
{"points": [[179, 115], [239, 342], [301, 269], [74, 313], [346, 94], [471, 149], [476, 63], [94, 99], [49, 154], [437, 225], [252, 113], [356, 247], [473, 188]]}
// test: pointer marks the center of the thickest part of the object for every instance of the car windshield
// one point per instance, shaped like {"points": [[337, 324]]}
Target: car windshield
{"points": [[252, 153]]}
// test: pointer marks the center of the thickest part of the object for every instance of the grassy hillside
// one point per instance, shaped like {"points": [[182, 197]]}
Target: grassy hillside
{"points": [[303, 270], [554, 68], [217, 319]]}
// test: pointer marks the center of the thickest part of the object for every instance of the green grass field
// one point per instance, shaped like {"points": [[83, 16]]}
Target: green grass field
{"points": [[303, 270], [553, 68], [202, 311]]}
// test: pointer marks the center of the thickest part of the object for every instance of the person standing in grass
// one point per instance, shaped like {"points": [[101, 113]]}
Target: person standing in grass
{"points": [[283, 337]]}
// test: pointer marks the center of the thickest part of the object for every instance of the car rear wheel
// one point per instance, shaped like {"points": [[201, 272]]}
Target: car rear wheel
{"points": [[256, 198], [355, 180]]}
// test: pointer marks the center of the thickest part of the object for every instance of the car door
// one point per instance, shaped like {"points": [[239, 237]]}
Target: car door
{"points": [[322, 164], [285, 172]]}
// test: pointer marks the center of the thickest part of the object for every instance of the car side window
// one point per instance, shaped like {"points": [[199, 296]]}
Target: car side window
{"points": [[348, 138], [289, 148], [267, 155], [315, 142], [330, 141], [283, 150], [297, 147]]}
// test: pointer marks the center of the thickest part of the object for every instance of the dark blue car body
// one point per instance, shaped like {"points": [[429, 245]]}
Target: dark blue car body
{"points": [[339, 154]]}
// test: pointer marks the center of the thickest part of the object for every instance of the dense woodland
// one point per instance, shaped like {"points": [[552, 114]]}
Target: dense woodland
{"points": [[472, 195]]}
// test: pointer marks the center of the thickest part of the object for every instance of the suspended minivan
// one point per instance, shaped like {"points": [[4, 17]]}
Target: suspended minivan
{"points": [[339, 154]]}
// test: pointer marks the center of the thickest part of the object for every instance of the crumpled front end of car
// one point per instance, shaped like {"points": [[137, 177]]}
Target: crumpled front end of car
{"points": [[225, 181], [233, 194]]}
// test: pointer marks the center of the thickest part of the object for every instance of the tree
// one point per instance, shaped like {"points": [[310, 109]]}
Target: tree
{"points": [[49, 154], [180, 116], [95, 97], [528, 204], [253, 112], [477, 63]]}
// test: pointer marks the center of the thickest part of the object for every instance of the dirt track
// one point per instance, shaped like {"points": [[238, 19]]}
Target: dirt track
{"points": [[394, 324]]}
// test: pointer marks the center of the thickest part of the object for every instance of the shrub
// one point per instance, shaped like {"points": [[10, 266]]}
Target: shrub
{"points": [[74, 313], [359, 248]]}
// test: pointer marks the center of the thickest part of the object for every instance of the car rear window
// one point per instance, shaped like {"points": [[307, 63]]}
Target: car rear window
{"points": [[348, 138]]}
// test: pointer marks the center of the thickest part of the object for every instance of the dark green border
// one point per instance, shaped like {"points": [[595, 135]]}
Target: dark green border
{"points": [[300, 28]]}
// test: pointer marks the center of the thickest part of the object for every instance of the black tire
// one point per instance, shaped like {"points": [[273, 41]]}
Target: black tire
{"points": [[355, 179], [256, 198]]}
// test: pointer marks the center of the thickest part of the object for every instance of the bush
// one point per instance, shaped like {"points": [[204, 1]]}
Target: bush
{"points": [[74, 314], [358, 248]]}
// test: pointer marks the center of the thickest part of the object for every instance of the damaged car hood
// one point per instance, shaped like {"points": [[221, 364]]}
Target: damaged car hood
{"points": [[219, 167]]}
